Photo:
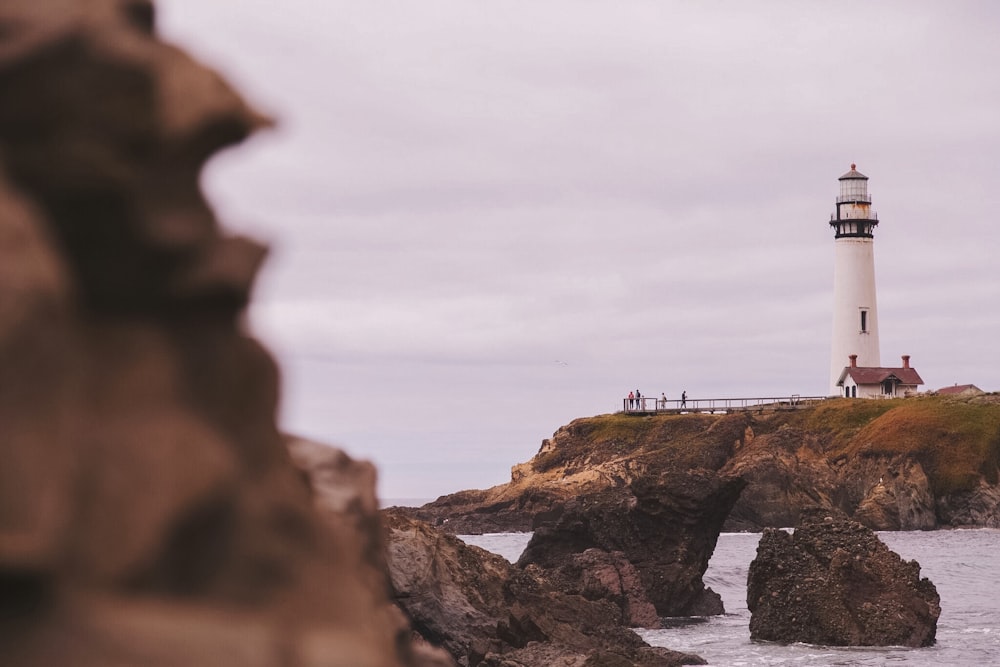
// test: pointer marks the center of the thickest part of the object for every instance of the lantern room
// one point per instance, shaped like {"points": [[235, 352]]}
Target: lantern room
{"points": [[854, 216], [853, 187]]}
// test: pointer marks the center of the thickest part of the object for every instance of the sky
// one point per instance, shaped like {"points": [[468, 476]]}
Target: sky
{"points": [[488, 219]]}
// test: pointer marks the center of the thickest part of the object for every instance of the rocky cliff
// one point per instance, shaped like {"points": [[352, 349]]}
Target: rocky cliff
{"points": [[906, 464], [665, 529], [489, 613]]}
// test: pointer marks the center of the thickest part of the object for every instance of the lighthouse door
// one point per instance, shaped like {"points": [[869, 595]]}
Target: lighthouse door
{"points": [[888, 387]]}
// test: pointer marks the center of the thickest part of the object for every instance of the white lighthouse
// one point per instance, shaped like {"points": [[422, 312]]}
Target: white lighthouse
{"points": [[855, 313]]}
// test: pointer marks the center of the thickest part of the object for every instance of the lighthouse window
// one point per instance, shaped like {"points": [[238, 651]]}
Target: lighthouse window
{"points": [[864, 321]]}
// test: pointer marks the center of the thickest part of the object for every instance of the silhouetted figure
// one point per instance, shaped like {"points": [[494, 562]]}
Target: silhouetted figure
{"points": [[684, 399]]}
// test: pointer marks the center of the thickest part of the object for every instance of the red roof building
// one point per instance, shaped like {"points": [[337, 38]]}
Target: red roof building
{"points": [[869, 382], [960, 390]]}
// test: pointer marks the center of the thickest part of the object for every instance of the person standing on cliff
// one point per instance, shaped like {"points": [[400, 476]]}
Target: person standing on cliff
{"points": [[684, 399], [638, 400], [663, 400], [631, 400]]}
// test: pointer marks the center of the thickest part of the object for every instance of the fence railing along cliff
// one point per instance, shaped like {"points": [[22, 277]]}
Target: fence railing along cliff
{"points": [[652, 405]]}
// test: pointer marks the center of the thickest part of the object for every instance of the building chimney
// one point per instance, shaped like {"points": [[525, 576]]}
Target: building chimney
{"points": [[906, 361], [854, 360]]}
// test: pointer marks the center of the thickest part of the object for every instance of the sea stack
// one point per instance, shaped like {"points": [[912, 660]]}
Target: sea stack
{"points": [[833, 582]]}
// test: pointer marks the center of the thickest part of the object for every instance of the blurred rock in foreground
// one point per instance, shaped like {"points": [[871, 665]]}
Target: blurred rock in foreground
{"points": [[149, 510]]}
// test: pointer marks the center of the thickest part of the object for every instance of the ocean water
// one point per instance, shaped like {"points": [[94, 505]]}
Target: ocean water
{"points": [[963, 564]]}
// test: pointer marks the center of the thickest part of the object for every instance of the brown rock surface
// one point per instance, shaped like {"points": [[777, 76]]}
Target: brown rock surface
{"points": [[586, 456], [833, 582], [906, 464], [899, 498], [149, 510], [785, 471], [487, 612], [666, 528], [979, 507], [598, 574]]}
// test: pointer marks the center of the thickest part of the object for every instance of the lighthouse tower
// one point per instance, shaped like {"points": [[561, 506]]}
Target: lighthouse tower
{"points": [[855, 314]]}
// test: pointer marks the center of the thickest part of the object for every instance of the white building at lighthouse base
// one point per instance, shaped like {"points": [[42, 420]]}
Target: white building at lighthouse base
{"points": [[878, 382]]}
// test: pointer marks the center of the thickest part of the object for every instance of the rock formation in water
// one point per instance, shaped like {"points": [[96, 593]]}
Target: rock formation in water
{"points": [[665, 528], [489, 613], [906, 464], [598, 574], [833, 582], [149, 510]]}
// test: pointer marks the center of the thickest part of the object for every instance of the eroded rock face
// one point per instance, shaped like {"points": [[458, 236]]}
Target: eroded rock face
{"points": [[899, 498], [788, 470], [979, 507], [666, 528], [608, 575], [477, 511], [785, 471], [485, 611], [833, 582], [149, 509]]}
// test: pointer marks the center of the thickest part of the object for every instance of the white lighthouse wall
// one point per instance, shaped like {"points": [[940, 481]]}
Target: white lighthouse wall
{"points": [[853, 291]]}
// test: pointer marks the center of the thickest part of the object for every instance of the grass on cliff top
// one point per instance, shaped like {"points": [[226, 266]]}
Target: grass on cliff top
{"points": [[955, 441], [688, 440], [839, 420]]}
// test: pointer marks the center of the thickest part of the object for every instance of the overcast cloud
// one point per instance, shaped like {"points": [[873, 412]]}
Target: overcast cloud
{"points": [[488, 219]]}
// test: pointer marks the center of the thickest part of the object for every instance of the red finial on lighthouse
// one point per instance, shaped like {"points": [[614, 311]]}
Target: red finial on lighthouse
{"points": [[854, 166]]}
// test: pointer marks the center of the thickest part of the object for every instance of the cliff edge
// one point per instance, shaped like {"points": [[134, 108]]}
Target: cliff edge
{"points": [[906, 464]]}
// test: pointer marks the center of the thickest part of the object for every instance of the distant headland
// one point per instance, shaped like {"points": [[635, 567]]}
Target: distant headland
{"points": [[920, 463]]}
